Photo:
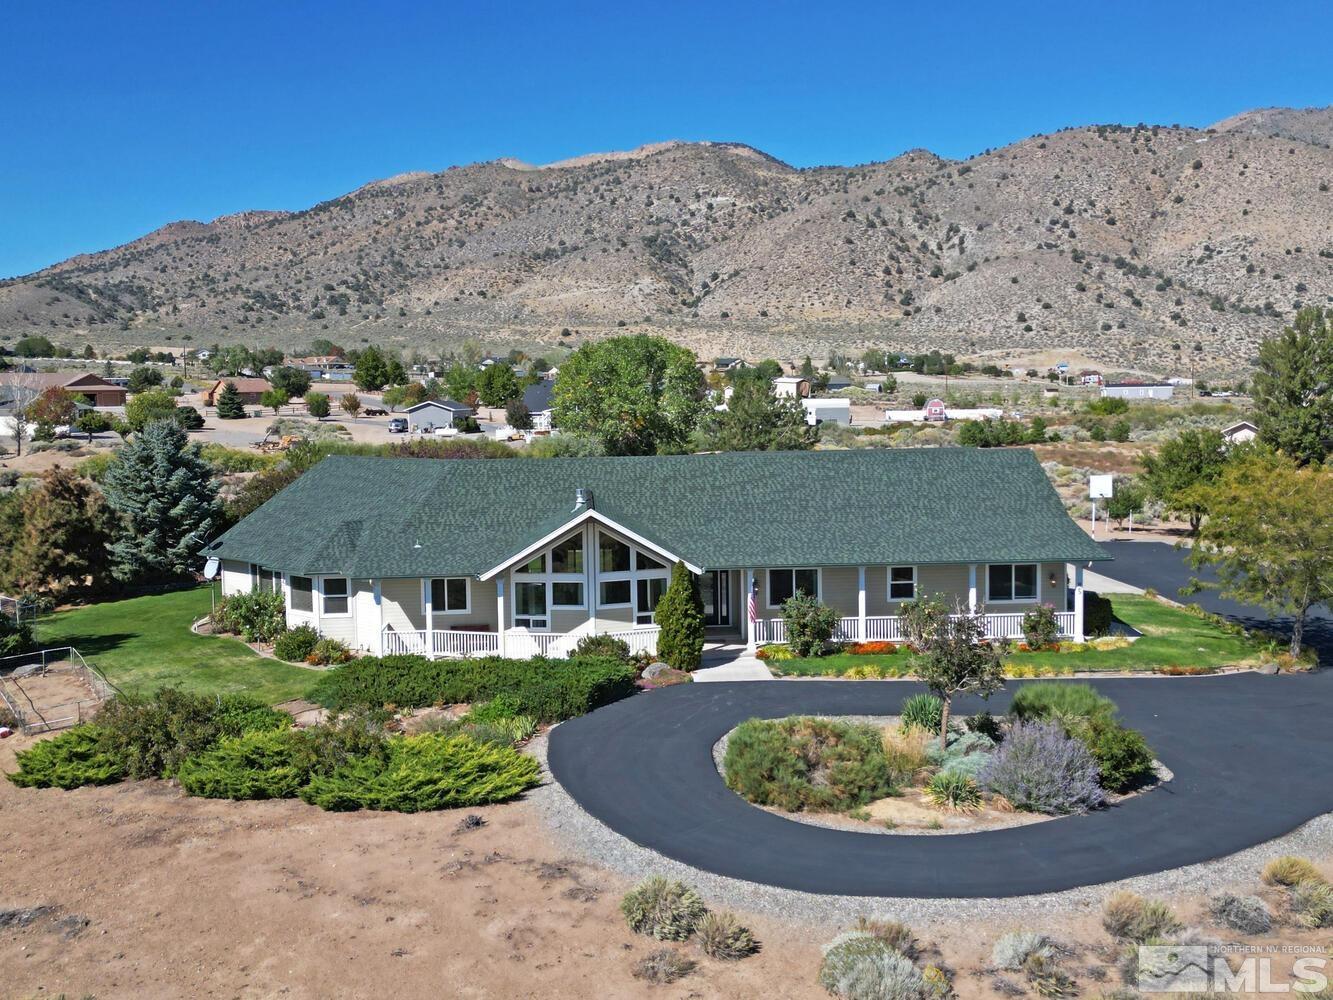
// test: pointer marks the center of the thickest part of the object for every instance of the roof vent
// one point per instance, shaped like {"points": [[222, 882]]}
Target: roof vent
{"points": [[582, 498]]}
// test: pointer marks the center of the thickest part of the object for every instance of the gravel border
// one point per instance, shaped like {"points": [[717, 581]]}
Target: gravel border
{"points": [[585, 837]]}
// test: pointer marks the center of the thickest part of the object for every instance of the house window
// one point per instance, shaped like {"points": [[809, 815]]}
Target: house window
{"points": [[303, 598], [614, 555], [450, 596], [902, 583], [530, 606], [266, 581], [535, 565], [650, 591], [1011, 582], [567, 594], [614, 593], [785, 583], [334, 589], [567, 556]]}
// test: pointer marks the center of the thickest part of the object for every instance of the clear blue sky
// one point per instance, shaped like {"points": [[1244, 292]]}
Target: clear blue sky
{"points": [[118, 117]]}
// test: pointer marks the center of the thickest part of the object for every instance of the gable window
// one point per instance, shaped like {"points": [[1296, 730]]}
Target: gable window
{"points": [[567, 556], [613, 554], [450, 596], [335, 591], [535, 565], [1011, 582], [628, 577], [303, 598], [785, 583], [902, 583]]}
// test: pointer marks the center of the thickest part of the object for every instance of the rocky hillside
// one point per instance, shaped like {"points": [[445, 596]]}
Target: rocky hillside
{"points": [[1141, 247]]}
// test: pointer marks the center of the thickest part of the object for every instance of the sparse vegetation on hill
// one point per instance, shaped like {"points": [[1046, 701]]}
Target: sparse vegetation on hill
{"points": [[1146, 245]]}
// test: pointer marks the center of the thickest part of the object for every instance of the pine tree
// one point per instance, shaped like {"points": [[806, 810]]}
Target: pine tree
{"points": [[167, 502], [680, 613], [60, 544], [230, 405], [756, 420]]}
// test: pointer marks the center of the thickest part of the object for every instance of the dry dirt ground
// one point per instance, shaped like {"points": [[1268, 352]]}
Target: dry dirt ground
{"points": [[155, 894]]}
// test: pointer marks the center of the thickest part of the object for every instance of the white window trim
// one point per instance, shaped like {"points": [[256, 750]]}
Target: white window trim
{"points": [[539, 579], [289, 591], [428, 606], [670, 558], [632, 575], [321, 606], [768, 583], [548, 577], [1013, 600], [888, 585]]}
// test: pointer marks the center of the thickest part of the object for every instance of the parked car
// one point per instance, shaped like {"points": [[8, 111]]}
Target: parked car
{"points": [[398, 425]]}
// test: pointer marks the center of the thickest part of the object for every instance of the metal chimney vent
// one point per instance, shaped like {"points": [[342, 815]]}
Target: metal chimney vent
{"points": [[582, 498]]}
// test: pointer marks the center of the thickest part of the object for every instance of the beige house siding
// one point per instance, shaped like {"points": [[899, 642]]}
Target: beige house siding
{"points": [[401, 604], [235, 577]]}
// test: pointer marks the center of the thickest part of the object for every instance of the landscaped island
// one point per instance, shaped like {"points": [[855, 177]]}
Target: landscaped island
{"points": [[1061, 750]]}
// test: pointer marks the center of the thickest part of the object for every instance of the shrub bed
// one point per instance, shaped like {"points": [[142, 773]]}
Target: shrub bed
{"points": [[807, 763], [70, 760], [546, 690], [1040, 769]]}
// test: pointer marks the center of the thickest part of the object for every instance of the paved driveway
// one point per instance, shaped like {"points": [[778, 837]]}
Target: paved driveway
{"points": [[1249, 755]]}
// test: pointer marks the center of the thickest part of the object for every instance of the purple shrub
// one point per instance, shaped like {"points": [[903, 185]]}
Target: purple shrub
{"points": [[1040, 769]]}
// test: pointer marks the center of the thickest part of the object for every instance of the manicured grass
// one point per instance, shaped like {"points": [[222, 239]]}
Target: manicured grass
{"points": [[145, 643], [1171, 638]]}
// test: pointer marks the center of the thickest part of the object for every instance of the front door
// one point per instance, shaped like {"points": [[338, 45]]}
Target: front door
{"points": [[715, 589]]}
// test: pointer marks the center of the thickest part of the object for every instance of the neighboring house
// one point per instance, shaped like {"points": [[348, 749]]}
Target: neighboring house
{"points": [[792, 386], [97, 390], [437, 413], [1138, 390], [936, 411], [729, 364], [469, 557], [1241, 432], [827, 411], [250, 389], [837, 383], [551, 373], [1089, 377], [537, 398], [323, 366]]}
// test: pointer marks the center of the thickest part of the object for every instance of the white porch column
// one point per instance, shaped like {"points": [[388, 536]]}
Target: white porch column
{"points": [[379, 614], [1078, 603], [426, 605], [972, 588], [745, 612], [861, 603], [501, 623]]}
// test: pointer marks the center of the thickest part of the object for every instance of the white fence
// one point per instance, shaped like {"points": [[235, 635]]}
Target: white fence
{"points": [[889, 629], [517, 643]]}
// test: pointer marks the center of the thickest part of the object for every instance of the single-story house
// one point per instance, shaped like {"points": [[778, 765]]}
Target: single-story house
{"points": [[525, 557], [537, 398], [432, 413], [1239, 433], [729, 364], [792, 386], [1089, 376], [1138, 390], [837, 383], [827, 411], [250, 390], [97, 390]]}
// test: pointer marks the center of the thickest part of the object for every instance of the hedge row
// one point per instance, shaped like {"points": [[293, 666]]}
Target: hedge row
{"points": [[546, 690]]}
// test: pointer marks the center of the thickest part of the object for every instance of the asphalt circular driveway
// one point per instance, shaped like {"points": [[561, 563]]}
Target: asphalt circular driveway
{"points": [[1249, 753]]}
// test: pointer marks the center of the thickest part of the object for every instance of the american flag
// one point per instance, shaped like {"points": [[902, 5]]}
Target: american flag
{"points": [[752, 609]]}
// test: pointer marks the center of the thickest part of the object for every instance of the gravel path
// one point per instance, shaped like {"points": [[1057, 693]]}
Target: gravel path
{"points": [[587, 838]]}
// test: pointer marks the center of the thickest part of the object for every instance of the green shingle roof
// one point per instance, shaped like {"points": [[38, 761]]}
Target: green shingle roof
{"points": [[383, 517]]}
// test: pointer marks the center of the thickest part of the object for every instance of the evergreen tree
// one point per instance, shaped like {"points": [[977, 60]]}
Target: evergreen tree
{"points": [[230, 405], [167, 502], [756, 420], [680, 614], [60, 546], [1293, 388]]}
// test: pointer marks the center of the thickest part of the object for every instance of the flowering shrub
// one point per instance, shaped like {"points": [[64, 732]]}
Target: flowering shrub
{"points": [[255, 616], [1040, 769], [1040, 627], [877, 648]]}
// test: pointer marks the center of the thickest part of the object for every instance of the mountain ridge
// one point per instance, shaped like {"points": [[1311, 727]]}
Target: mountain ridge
{"points": [[1136, 245]]}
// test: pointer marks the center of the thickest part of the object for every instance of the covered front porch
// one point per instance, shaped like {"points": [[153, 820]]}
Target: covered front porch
{"points": [[888, 628], [517, 643]]}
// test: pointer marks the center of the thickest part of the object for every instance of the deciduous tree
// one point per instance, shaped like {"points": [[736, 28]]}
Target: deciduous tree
{"points": [[497, 385], [1269, 534], [1192, 458], [638, 395], [293, 381], [350, 403], [61, 545], [317, 405], [956, 658]]}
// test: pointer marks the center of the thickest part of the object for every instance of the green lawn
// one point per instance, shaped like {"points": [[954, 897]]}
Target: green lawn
{"points": [[144, 643], [1171, 638]]}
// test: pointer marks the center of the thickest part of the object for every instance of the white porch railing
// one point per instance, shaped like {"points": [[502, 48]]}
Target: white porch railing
{"points": [[519, 644], [889, 628]]}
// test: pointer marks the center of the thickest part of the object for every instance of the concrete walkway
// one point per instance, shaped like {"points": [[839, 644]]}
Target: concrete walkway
{"points": [[743, 668]]}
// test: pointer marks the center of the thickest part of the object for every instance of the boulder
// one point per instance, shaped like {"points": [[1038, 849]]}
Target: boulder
{"points": [[654, 669]]}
